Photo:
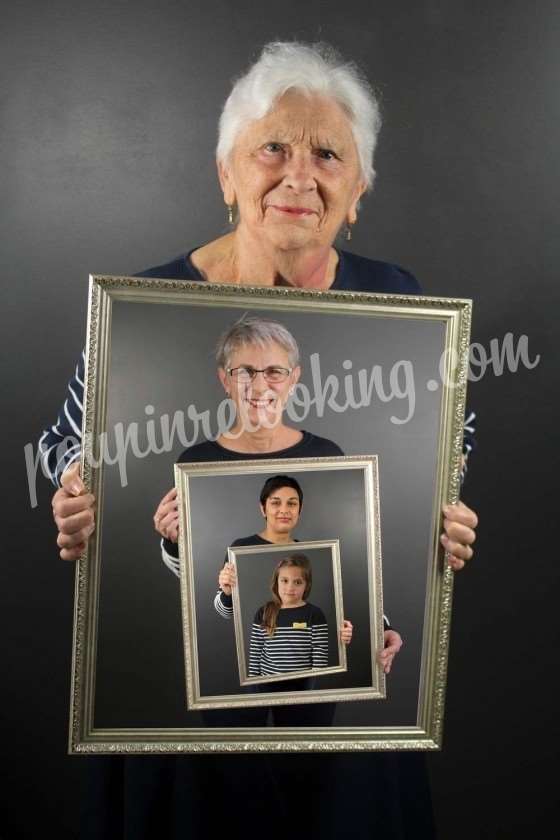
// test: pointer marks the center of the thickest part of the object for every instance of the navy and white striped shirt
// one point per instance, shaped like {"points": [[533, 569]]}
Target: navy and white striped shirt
{"points": [[300, 641]]}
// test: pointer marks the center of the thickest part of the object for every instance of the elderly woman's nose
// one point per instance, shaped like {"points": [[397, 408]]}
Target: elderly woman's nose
{"points": [[299, 172], [259, 384]]}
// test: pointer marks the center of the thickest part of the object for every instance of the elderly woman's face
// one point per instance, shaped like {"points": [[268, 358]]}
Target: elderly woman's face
{"points": [[295, 173], [259, 397]]}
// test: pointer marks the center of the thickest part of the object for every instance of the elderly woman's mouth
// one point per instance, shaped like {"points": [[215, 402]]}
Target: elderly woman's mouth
{"points": [[293, 211], [260, 403]]}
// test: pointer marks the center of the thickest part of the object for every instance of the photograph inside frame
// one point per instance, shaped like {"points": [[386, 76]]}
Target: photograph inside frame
{"points": [[283, 628], [369, 379], [293, 633]]}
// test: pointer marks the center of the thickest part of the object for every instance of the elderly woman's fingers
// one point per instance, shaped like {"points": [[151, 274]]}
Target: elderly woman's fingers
{"points": [[458, 532], [166, 517], [74, 523], [456, 549], [393, 643], [76, 537], [73, 553], [386, 662], [73, 515], [173, 531], [227, 578], [64, 505], [169, 496], [168, 503], [459, 525], [459, 512], [227, 575], [163, 511], [71, 481], [169, 527], [385, 659], [454, 562]]}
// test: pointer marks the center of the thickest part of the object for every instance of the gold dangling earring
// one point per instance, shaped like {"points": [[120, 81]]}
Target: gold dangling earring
{"points": [[348, 232], [230, 213]]}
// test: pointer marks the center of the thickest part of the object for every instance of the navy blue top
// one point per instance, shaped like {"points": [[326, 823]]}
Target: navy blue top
{"points": [[353, 274]]}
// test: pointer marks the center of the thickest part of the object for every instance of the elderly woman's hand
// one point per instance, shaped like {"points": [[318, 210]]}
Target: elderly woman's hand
{"points": [[393, 643], [73, 514], [166, 517], [346, 632], [459, 523], [227, 578]]}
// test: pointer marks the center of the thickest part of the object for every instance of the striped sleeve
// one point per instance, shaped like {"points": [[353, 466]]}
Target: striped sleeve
{"points": [[256, 646], [223, 604], [60, 444], [469, 430], [170, 560], [320, 644]]}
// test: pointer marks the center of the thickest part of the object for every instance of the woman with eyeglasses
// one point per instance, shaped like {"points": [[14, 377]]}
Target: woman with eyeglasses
{"points": [[258, 366]]}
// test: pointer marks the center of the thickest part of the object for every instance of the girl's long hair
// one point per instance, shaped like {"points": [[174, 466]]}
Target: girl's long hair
{"points": [[272, 608]]}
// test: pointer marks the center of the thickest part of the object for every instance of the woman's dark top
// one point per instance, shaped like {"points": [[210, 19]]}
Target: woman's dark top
{"points": [[353, 274]]}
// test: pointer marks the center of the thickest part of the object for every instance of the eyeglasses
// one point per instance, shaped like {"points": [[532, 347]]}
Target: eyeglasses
{"points": [[272, 374]]}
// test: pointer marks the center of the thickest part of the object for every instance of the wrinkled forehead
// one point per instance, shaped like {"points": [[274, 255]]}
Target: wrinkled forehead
{"points": [[297, 117]]}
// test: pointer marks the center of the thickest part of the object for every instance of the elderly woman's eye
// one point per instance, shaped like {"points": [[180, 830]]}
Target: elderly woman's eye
{"points": [[273, 147], [326, 154]]}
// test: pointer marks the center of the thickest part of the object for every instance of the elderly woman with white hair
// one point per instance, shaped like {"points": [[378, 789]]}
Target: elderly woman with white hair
{"points": [[295, 156]]}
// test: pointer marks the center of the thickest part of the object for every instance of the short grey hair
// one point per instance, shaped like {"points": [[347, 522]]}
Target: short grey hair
{"points": [[258, 331], [311, 69]]}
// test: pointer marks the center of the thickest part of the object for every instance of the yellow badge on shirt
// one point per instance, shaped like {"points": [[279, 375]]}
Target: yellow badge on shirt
{"points": [[299, 625]]}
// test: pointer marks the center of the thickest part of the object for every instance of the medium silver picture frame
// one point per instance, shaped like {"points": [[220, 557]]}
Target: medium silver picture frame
{"points": [[201, 479]]}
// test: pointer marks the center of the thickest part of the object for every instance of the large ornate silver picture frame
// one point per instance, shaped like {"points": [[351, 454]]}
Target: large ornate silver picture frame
{"points": [[220, 498], [382, 375]]}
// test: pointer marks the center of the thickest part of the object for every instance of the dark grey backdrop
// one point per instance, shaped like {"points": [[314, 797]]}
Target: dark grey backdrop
{"points": [[109, 114]]}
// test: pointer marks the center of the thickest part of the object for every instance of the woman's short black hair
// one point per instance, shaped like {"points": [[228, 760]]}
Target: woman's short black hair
{"points": [[275, 482]]}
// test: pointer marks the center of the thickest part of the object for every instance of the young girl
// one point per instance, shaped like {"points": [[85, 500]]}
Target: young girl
{"points": [[289, 634]]}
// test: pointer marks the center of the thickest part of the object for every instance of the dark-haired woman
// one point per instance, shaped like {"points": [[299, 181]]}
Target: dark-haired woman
{"points": [[281, 499]]}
